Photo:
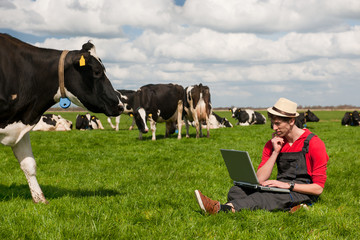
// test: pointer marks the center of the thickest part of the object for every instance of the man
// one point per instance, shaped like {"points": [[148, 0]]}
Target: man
{"points": [[301, 160]]}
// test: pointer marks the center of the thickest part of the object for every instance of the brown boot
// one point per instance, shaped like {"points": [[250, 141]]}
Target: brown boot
{"points": [[206, 204]]}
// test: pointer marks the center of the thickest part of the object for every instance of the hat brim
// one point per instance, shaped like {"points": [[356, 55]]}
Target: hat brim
{"points": [[270, 110]]}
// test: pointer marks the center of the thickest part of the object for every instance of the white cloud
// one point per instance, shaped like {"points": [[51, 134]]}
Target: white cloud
{"points": [[241, 49]]}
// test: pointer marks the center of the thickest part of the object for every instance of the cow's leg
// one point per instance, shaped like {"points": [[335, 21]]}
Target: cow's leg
{"points": [[187, 127], [167, 129], [153, 129], [23, 152], [140, 135], [117, 122], [109, 121], [196, 122], [208, 126], [179, 118], [132, 124]]}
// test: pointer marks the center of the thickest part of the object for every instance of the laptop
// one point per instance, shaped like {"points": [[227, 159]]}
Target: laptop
{"points": [[242, 172]]}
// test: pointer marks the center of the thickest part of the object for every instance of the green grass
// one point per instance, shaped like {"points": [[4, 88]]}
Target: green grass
{"points": [[103, 184]]}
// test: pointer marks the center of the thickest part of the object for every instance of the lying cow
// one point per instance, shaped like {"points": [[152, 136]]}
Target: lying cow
{"points": [[127, 98], [33, 79], [88, 122], [159, 103], [307, 116], [52, 122], [351, 119], [248, 117], [216, 122], [197, 108]]}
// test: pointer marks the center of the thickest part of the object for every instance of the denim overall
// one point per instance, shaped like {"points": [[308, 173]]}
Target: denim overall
{"points": [[291, 167]]}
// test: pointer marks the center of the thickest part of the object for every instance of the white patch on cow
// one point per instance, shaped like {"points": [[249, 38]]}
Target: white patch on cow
{"points": [[251, 118], [92, 52], [13, 133], [233, 110], [142, 114]]}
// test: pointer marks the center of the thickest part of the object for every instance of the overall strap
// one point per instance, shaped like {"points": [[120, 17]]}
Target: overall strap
{"points": [[305, 148]]}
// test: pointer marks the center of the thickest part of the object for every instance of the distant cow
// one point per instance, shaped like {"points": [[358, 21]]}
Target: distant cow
{"points": [[127, 98], [52, 122], [351, 119], [197, 108], [88, 122], [307, 116], [33, 79], [248, 117], [159, 103]]}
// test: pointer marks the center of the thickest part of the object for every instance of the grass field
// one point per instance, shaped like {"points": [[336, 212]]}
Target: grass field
{"points": [[103, 184]]}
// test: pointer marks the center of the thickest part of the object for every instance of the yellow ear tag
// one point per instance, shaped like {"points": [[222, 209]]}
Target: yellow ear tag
{"points": [[131, 115], [150, 115], [82, 61]]}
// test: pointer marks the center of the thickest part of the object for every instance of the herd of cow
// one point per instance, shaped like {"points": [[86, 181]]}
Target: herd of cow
{"points": [[33, 79]]}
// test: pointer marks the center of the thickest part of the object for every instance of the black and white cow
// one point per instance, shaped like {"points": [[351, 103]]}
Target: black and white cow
{"points": [[88, 122], [248, 117], [33, 79], [127, 98], [52, 122], [216, 122], [159, 103], [197, 108], [351, 119]]}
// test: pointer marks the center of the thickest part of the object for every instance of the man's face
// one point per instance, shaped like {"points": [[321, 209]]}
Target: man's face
{"points": [[281, 128]]}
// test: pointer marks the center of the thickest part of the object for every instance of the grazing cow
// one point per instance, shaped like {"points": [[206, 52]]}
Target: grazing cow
{"points": [[248, 117], [197, 108], [33, 79], [307, 116], [88, 122], [159, 103], [52, 122], [127, 98], [351, 119]]}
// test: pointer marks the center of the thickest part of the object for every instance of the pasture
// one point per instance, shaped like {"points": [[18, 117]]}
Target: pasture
{"points": [[103, 184]]}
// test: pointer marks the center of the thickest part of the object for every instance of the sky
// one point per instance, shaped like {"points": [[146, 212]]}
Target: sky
{"points": [[249, 52]]}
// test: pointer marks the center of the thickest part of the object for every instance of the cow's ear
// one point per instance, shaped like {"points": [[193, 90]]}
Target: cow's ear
{"points": [[81, 59]]}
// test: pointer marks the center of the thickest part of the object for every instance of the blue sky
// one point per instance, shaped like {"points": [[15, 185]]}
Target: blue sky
{"points": [[249, 52]]}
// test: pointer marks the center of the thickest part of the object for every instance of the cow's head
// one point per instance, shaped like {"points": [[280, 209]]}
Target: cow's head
{"points": [[226, 123], [356, 118], [86, 83], [311, 117], [232, 110], [141, 102], [140, 117]]}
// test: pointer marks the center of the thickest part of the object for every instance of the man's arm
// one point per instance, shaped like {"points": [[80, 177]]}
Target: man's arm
{"points": [[265, 171], [311, 189]]}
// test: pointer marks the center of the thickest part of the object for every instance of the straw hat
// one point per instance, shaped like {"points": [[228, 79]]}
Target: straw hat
{"points": [[284, 108]]}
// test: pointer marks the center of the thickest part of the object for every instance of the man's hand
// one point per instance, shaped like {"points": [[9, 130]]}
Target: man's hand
{"points": [[277, 142], [276, 183]]}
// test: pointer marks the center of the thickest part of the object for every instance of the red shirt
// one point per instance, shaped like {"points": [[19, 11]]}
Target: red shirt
{"points": [[316, 158]]}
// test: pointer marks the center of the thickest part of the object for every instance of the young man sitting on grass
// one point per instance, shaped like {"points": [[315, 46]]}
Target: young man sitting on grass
{"points": [[301, 160]]}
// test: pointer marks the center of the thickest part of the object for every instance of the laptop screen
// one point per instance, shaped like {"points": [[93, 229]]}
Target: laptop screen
{"points": [[239, 166]]}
